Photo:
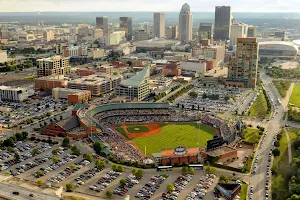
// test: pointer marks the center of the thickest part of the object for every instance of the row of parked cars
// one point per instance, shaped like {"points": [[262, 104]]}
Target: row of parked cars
{"points": [[148, 190], [201, 188], [105, 181], [87, 175], [179, 185], [131, 180], [27, 155], [60, 176]]}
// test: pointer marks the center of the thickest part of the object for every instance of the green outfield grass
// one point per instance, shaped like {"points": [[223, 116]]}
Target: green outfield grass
{"points": [[295, 97], [137, 128], [173, 135]]}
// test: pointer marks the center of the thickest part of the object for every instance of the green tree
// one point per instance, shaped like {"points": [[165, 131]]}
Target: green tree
{"points": [[109, 193], [100, 163], [170, 188], [88, 157], [39, 172], [66, 142], [226, 98], [17, 156], [184, 170], [19, 136], [120, 168], [193, 94], [54, 152], [40, 182], [73, 167], [223, 179], [276, 152], [210, 170], [129, 63], [55, 160], [115, 168], [134, 171], [35, 151], [69, 187], [10, 149], [122, 182], [97, 147], [139, 174], [191, 170]]}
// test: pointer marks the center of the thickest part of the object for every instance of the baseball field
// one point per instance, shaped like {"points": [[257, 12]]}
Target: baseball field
{"points": [[155, 138]]}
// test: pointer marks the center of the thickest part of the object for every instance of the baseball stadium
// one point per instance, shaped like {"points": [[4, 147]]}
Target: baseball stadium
{"points": [[136, 131]]}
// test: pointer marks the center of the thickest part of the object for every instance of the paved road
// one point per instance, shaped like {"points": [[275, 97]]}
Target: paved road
{"points": [[272, 127], [7, 191]]}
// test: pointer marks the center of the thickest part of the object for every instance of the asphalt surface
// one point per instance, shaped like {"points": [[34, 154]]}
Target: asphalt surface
{"points": [[7, 190], [272, 127]]}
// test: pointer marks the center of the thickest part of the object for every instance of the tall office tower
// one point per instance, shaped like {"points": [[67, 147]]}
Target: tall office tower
{"points": [[222, 22], [172, 32], [206, 31], [185, 24], [126, 25], [238, 31], [147, 28], [159, 20], [252, 31], [242, 71], [102, 22]]}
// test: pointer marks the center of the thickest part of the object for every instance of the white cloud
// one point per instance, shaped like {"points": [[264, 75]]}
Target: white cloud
{"points": [[147, 5]]}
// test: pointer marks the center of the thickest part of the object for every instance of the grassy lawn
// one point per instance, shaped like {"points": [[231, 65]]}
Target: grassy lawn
{"points": [[259, 107], [279, 183], [282, 87], [173, 135], [244, 190], [295, 97], [30, 77], [251, 135], [137, 128]]}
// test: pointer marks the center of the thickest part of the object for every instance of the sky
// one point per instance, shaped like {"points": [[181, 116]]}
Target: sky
{"points": [[147, 5]]}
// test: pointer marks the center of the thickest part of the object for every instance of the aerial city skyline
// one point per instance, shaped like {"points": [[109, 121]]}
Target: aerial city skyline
{"points": [[157, 100]]}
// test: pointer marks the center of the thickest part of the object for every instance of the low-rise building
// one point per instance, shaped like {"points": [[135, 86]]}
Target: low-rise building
{"points": [[15, 94], [156, 43], [195, 65], [114, 38], [26, 38], [160, 82], [172, 68], [50, 82], [137, 87], [140, 35], [85, 72], [125, 49], [74, 96], [97, 83], [106, 69], [95, 53], [134, 61], [214, 54]]}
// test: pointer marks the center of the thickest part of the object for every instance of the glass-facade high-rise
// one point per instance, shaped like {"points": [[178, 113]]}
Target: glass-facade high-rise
{"points": [[102, 22], [223, 22], [126, 25]]}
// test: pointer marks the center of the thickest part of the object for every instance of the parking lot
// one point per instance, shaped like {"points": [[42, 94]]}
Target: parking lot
{"points": [[17, 113], [218, 99], [151, 186]]}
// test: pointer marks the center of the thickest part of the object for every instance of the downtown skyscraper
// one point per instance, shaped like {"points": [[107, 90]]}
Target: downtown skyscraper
{"points": [[102, 22], [223, 20], [159, 20], [185, 24], [126, 25]]}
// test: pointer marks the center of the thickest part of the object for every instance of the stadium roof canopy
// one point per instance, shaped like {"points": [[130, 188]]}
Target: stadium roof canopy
{"points": [[138, 79], [104, 108]]}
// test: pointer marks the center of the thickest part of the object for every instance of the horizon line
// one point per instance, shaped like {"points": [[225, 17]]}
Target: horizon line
{"points": [[292, 12]]}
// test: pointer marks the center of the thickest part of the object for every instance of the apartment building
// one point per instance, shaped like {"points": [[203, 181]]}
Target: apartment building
{"points": [[56, 65]]}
